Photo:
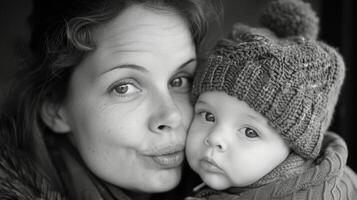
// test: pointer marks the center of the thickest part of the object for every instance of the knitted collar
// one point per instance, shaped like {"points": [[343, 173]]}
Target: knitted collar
{"points": [[328, 165], [293, 164]]}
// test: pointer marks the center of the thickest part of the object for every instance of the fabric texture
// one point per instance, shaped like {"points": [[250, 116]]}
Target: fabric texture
{"points": [[328, 179], [21, 179], [292, 165], [281, 71], [80, 183]]}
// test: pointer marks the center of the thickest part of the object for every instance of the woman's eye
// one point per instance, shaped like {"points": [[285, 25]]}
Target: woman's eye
{"points": [[207, 116], [251, 133], [122, 89], [182, 83], [125, 89]]}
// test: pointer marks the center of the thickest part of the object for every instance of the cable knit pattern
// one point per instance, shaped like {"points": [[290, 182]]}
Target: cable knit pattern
{"points": [[294, 81], [328, 179]]}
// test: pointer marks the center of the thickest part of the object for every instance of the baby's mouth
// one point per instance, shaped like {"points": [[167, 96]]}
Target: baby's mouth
{"points": [[210, 165]]}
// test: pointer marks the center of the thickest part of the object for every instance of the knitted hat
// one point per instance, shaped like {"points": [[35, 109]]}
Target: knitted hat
{"points": [[281, 71]]}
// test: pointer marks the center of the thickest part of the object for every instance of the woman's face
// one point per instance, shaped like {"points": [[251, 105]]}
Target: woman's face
{"points": [[127, 108]]}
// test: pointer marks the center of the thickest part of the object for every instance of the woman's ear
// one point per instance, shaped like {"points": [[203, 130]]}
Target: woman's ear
{"points": [[54, 117]]}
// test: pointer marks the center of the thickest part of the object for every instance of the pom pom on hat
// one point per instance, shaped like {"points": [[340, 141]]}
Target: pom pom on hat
{"points": [[291, 18]]}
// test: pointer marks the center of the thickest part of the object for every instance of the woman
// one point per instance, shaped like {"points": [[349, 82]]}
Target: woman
{"points": [[103, 111]]}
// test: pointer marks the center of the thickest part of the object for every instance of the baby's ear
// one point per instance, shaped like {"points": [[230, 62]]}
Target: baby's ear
{"points": [[55, 118]]}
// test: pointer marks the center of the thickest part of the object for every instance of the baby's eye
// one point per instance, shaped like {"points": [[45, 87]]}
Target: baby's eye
{"points": [[207, 116], [182, 83], [250, 133]]}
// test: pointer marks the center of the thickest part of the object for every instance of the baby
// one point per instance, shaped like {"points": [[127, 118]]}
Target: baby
{"points": [[263, 104]]}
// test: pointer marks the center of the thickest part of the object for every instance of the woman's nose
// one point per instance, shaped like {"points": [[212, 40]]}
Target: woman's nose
{"points": [[216, 141], [165, 117]]}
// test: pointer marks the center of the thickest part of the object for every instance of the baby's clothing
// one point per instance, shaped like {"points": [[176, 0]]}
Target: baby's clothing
{"points": [[328, 178]]}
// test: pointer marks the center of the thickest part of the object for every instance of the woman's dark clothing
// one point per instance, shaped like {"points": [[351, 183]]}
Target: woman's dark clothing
{"points": [[20, 178]]}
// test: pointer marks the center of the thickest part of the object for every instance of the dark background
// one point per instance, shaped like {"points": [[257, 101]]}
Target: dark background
{"points": [[338, 28]]}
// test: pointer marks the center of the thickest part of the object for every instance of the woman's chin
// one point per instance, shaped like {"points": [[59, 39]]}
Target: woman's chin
{"points": [[164, 181]]}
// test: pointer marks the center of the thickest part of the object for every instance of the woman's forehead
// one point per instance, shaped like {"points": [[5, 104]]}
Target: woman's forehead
{"points": [[138, 23], [147, 35]]}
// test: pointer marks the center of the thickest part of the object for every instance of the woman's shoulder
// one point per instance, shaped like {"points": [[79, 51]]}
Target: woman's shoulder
{"points": [[19, 178]]}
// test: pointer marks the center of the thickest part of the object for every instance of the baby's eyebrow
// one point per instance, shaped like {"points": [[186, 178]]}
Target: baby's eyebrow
{"points": [[201, 102], [255, 118]]}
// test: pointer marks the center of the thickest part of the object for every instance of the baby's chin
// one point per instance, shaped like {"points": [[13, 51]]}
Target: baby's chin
{"points": [[219, 181], [215, 181], [217, 186]]}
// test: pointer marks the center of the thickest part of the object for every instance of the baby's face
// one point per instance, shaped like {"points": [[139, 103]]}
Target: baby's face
{"points": [[231, 145]]}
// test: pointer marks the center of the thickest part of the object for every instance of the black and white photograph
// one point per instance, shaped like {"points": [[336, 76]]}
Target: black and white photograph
{"points": [[178, 100]]}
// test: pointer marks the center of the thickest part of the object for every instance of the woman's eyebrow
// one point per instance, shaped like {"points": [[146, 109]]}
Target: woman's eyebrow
{"points": [[140, 68], [187, 62], [128, 66]]}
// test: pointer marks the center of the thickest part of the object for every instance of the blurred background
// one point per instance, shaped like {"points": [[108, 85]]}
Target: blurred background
{"points": [[337, 28]]}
